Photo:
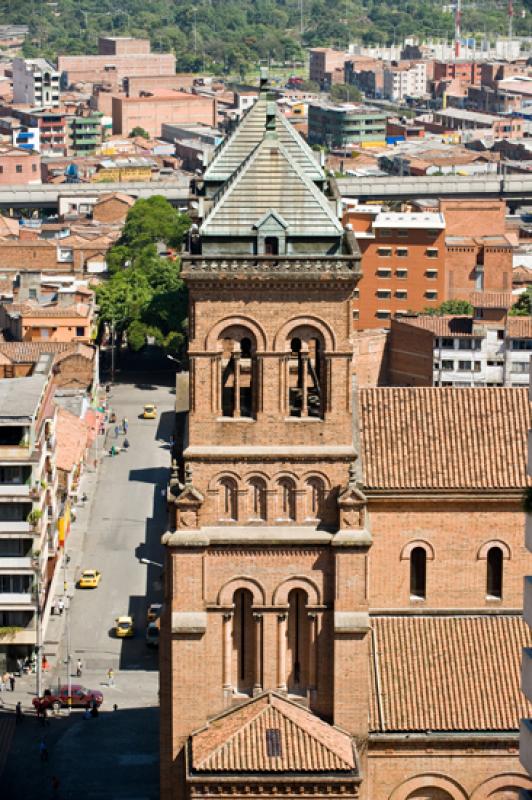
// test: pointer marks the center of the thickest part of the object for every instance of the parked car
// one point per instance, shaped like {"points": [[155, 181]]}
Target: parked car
{"points": [[152, 634], [80, 697]]}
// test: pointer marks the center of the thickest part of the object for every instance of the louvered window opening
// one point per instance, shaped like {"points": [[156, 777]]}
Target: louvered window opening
{"points": [[273, 742]]}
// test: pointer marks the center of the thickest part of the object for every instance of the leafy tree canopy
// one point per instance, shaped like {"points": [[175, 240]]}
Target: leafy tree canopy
{"points": [[233, 35], [145, 294], [523, 306], [138, 131], [458, 307]]}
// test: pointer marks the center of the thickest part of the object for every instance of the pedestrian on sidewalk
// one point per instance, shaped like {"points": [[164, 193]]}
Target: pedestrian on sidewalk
{"points": [[110, 677], [125, 425], [18, 712], [117, 431], [3, 682], [12, 682], [61, 606], [79, 668], [43, 750], [44, 663]]}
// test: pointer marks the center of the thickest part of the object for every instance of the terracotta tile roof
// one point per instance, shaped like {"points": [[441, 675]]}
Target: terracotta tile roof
{"points": [[447, 325], [491, 299], [29, 352], [438, 673], [237, 740], [35, 310], [444, 438], [71, 440], [519, 327]]}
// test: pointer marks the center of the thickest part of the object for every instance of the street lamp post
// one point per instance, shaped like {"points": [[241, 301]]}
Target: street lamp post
{"points": [[152, 563], [66, 560], [38, 646]]}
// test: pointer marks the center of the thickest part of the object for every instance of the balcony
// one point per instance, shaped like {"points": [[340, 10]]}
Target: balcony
{"points": [[16, 562], [17, 490], [16, 526], [27, 635], [17, 599]]}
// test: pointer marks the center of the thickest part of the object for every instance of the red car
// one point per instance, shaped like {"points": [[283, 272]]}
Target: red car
{"points": [[80, 697]]}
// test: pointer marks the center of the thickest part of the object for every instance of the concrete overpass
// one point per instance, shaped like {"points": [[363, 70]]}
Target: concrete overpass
{"points": [[46, 195], [394, 187]]}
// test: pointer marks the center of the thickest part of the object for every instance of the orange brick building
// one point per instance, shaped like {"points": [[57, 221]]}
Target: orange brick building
{"points": [[414, 261], [343, 569], [151, 110]]}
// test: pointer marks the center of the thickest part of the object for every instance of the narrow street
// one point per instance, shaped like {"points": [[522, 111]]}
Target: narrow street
{"points": [[116, 755]]}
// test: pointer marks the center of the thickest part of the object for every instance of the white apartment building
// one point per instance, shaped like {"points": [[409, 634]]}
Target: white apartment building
{"points": [[35, 83], [486, 356], [28, 530], [401, 82]]}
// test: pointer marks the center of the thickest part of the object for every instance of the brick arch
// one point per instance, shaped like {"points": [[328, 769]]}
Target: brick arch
{"points": [[406, 552], [285, 474], [281, 341], [281, 592], [486, 547], [313, 473], [493, 788], [211, 340], [214, 483], [227, 591], [256, 474], [442, 783]]}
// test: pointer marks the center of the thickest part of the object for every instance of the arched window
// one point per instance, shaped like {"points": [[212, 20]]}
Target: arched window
{"points": [[243, 640], [228, 499], [298, 641], [257, 499], [238, 374], [494, 562], [287, 499], [305, 384], [315, 496], [418, 573]]}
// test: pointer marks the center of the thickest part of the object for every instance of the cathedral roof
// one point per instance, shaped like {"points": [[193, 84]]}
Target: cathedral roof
{"points": [[444, 438], [448, 673], [271, 182], [271, 734], [248, 134]]}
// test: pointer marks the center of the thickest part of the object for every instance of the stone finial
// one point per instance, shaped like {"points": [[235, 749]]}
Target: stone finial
{"points": [[188, 475], [174, 473], [352, 473]]}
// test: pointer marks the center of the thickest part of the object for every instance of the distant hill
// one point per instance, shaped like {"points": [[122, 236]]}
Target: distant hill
{"points": [[233, 35]]}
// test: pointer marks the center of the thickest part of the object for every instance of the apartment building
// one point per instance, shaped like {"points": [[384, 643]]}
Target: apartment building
{"points": [[326, 65], [19, 166], [44, 130], [35, 83], [85, 133], [400, 82], [461, 119], [486, 349], [403, 263], [155, 108], [465, 72], [28, 486], [345, 124]]}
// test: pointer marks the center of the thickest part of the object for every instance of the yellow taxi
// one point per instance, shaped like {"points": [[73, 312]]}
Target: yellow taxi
{"points": [[89, 579], [150, 411], [124, 626]]}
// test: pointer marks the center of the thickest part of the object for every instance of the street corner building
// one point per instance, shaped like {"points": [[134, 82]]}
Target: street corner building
{"points": [[343, 567]]}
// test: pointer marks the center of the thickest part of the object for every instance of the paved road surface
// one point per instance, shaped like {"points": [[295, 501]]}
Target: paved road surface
{"points": [[115, 756]]}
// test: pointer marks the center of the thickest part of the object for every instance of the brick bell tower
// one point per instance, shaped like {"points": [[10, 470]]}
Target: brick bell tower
{"points": [[266, 563]]}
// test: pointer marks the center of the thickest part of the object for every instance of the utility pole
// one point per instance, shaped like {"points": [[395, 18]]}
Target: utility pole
{"points": [[38, 647], [510, 19], [457, 28], [195, 34]]}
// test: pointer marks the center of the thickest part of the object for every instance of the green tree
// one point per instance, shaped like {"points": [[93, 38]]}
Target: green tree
{"points": [[154, 220], [344, 93], [138, 131], [523, 306], [457, 307], [137, 333]]}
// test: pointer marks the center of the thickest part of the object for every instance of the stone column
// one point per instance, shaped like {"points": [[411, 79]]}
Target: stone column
{"points": [[312, 650], [236, 382], [257, 685], [227, 650], [304, 383], [281, 652]]}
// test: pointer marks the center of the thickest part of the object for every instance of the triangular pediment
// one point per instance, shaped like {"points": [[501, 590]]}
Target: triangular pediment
{"points": [[248, 134], [271, 220], [190, 496], [270, 180], [271, 734]]}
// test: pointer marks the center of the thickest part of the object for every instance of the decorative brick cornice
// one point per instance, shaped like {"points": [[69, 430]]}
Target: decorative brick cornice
{"points": [[274, 267]]}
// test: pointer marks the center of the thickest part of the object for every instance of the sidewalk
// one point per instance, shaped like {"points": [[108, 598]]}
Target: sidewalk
{"points": [[26, 685]]}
